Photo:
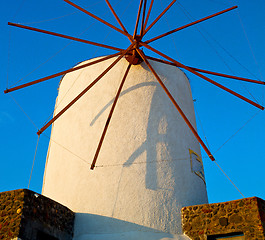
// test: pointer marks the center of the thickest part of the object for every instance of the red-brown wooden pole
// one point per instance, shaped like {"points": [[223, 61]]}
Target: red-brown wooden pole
{"points": [[99, 19], [83, 92], [176, 105], [138, 18], [118, 19], [161, 14], [208, 72], [191, 24], [148, 14], [116, 16], [203, 77], [60, 73], [64, 36], [143, 18], [109, 117]]}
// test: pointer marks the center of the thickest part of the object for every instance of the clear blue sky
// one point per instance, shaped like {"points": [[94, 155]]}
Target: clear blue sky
{"points": [[219, 114]]}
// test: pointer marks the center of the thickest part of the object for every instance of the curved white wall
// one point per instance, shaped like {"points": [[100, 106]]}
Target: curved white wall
{"points": [[144, 175]]}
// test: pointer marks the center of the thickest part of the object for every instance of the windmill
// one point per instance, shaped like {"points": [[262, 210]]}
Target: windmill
{"points": [[134, 55]]}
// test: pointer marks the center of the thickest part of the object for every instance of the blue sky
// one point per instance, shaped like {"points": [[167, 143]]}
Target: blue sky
{"points": [[221, 44]]}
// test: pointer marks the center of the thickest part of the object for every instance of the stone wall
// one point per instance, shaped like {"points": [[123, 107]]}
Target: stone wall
{"points": [[245, 216], [28, 216]]}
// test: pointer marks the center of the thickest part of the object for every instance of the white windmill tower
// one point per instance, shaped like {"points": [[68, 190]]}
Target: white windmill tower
{"points": [[147, 161]]}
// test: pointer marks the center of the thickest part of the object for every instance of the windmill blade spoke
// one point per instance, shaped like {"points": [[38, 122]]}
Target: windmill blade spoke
{"points": [[148, 14], [208, 72], [176, 105], [143, 18], [138, 18], [60, 73], [99, 19], [204, 77], [161, 14], [84, 91], [64, 36], [191, 24], [109, 117], [116, 16]]}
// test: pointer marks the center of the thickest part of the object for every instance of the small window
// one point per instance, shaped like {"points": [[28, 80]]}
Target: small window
{"points": [[231, 236], [45, 236]]}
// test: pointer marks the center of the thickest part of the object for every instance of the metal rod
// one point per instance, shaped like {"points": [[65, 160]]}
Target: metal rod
{"points": [[97, 18], [203, 77], [176, 105], [208, 72], [191, 24], [64, 36], [109, 117], [138, 18], [148, 14], [83, 92], [161, 14], [143, 18], [60, 73]]}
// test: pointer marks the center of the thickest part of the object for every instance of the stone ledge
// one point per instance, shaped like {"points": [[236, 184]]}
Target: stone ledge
{"points": [[24, 214], [245, 216]]}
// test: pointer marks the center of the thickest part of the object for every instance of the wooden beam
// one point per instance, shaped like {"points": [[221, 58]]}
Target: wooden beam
{"points": [[83, 92], [60, 73], [203, 77], [64, 36], [109, 117], [176, 105], [190, 24]]}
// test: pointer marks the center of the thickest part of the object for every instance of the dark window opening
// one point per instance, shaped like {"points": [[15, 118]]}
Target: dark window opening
{"points": [[230, 236], [45, 236]]}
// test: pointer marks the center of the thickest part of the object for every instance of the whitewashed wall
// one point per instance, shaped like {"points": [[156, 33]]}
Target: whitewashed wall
{"points": [[144, 175]]}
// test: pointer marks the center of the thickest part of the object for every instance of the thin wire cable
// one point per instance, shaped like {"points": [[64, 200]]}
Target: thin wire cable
{"points": [[65, 148], [23, 111], [229, 179], [233, 135], [51, 19], [252, 51], [53, 56], [34, 160], [19, 8], [249, 43], [172, 35], [63, 16], [203, 132], [8, 57], [188, 15], [93, 55]]}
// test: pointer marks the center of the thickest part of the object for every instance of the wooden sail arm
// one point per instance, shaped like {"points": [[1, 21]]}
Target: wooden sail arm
{"points": [[203, 77], [64, 36], [116, 16], [176, 105], [209, 72], [160, 15], [143, 19], [137, 19], [109, 117], [148, 14], [99, 19], [118, 19], [84, 91], [191, 24], [60, 73]]}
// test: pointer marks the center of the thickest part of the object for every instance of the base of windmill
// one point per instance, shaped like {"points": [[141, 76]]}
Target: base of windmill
{"points": [[26, 215]]}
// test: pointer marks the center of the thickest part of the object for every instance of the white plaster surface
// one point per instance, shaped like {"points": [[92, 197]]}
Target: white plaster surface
{"points": [[143, 176]]}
